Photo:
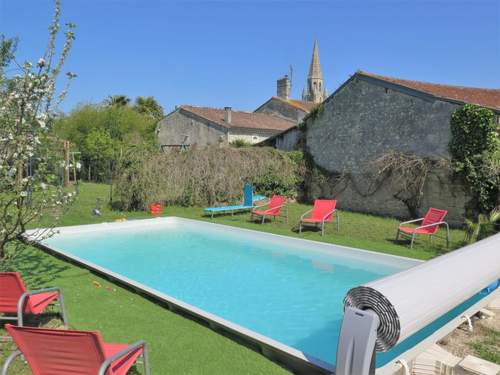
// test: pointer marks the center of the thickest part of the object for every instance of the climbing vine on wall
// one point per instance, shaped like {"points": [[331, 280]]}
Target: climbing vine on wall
{"points": [[408, 173], [311, 116], [475, 152]]}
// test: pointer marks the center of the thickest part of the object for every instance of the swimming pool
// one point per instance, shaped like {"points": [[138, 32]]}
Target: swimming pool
{"points": [[283, 292]]}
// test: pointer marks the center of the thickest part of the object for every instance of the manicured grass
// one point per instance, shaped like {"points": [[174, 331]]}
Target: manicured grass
{"points": [[179, 345], [356, 229]]}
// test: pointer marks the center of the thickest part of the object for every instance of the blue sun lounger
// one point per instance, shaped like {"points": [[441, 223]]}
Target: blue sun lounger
{"points": [[248, 200]]}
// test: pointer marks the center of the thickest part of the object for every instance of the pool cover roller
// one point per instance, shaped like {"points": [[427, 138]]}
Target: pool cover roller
{"points": [[409, 300]]}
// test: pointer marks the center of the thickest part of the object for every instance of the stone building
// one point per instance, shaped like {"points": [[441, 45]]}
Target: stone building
{"points": [[314, 93], [292, 109], [189, 125], [282, 105], [371, 115]]}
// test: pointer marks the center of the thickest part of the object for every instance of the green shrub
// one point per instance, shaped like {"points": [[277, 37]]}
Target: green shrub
{"points": [[474, 148], [204, 176], [240, 143]]}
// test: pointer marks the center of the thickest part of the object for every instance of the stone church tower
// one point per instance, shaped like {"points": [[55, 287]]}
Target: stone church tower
{"points": [[314, 91]]}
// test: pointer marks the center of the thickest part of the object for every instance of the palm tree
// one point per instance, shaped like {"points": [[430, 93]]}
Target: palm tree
{"points": [[117, 100], [485, 226], [148, 106]]}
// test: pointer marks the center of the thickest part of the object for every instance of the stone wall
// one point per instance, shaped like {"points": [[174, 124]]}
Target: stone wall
{"points": [[289, 140], [277, 107], [361, 122], [176, 125]]}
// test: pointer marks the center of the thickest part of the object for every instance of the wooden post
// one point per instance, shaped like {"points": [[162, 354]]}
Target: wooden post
{"points": [[66, 163], [74, 166]]}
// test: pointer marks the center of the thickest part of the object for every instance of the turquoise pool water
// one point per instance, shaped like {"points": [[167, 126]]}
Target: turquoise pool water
{"points": [[286, 290]]}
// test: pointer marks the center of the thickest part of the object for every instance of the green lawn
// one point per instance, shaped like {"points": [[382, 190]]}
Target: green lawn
{"points": [[179, 345]]}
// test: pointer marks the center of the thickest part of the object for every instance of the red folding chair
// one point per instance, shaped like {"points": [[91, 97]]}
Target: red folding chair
{"points": [[16, 301], [429, 226], [275, 205], [321, 213], [65, 352]]}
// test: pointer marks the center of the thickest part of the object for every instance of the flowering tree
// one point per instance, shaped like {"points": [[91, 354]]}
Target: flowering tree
{"points": [[29, 165]]}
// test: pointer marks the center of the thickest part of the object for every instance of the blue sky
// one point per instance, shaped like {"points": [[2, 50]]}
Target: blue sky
{"points": [[230, 53]]}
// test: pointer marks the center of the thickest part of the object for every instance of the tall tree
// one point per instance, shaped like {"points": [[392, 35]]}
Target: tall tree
{"points": [[117, 100], [148, 106], [28, 104]]}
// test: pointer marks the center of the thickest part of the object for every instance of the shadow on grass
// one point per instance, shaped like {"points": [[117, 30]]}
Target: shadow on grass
{"points": [[37, 270], [433, 248]]}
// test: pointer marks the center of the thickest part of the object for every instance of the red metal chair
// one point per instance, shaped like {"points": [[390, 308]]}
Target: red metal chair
{"points": [[275, 205], [64, 352], [321, 213], [16, 301], [429, 226]]}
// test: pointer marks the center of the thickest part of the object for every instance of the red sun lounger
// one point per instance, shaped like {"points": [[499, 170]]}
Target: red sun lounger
{"points": [[321, 213], [16, 301], [275, 205], [64, 352], [429, 226]]}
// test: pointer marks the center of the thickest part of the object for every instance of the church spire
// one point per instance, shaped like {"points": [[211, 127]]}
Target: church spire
{"points": [[314, 90], [315, 67]]}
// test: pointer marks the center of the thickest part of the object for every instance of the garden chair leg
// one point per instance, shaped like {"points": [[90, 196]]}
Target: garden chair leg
{"points": [[263, 219], [412, 240], [322, 228], [64, 314], [300, 227], [397, 235], [9, 360], [447, 237], [145, 358]]}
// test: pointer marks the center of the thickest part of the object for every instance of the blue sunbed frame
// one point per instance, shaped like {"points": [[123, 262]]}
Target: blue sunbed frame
{"points": [[248, 200]]}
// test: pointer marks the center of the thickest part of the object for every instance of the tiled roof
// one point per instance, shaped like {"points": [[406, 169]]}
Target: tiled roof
{"points": [[484, 97], [240, 119], [300, 104]]}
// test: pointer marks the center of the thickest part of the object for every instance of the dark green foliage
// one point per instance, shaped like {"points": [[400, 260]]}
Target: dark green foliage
{"points": [[7, 50], [484, 226], [474, 148], [117, 100], [148, 106]]}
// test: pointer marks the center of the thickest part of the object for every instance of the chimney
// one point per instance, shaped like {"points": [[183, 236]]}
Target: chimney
{"points": [[283, 87], [227, 114]]}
